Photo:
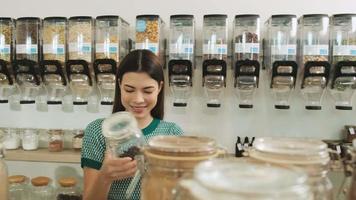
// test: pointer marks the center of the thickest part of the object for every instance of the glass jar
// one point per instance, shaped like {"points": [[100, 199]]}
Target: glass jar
{"points": [[27, 38], [237, 179], [54, 38], [77, 139], [4, 187], [168, 158], [56, 140], [41, 190], [18, 187], [67, 189], [6, 38], [309, 155], [11, 139], [30, 139]]}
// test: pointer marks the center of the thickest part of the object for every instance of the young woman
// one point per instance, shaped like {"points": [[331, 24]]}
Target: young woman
{"points": [[139, 90]]}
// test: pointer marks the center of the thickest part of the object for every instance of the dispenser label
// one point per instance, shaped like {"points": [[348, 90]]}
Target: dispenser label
{"points": [[80, 47], [26, 49], [4, 49], [150, 46], [247, 47], [344, 50], [290, 49], [106, 48], [176, 48], [54, 49], [319, 50], [220, 49], [140, 25]]}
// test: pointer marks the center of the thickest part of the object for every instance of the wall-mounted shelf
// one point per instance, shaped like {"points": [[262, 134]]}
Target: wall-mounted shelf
{"points": [[43, 155]]}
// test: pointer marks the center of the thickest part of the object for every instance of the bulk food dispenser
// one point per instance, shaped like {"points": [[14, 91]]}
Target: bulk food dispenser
{"points": [[6, 43], [246, 52], [280, 57], [27, 38], [54, 39], [78, 67], [314, 58], [111, 44], [149, 35], [214, 57], [181, 57], [343, 83]]}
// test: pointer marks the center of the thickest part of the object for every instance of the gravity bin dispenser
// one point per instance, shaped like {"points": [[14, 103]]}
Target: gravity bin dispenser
{"points": [[214, 57], [181, 58], [343, 83], [280, 57], [314, 58], [246, 58]]}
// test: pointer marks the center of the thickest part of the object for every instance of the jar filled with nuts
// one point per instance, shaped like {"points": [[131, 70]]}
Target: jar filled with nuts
{"points": [[6, 39], [27, 38], [56, 140], [80, 38], [54, 38], [246, 37], [215, 37]]}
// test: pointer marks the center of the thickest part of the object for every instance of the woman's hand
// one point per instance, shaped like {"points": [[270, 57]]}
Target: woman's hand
{"points": [[114, 168]]}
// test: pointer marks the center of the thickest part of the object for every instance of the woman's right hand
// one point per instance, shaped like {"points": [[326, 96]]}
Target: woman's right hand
{"points": [[114, 168]]}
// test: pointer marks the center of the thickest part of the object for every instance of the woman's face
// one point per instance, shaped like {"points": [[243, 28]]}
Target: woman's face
{"points": [[139, 93]]}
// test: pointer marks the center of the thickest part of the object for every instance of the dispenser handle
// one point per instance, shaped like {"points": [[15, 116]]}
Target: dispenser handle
{"points": [[30, 64]]}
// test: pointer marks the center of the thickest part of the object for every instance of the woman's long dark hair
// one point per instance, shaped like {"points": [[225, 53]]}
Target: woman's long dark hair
{"points": [[141, 61]]}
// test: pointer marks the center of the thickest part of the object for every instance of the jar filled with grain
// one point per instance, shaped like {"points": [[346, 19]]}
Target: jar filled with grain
{"points": [[6, 38], [28, 38]]}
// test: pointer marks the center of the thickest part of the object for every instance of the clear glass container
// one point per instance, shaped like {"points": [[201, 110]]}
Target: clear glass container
{"points": [[169, 158], [343, 36], [67, 189], [80, 38], [4, 184], [149, 35], [111, 37], [219, 178], [28, 38], [309, 155], [54, 38], [42, 188], [314, 58], [6, 38], [18, 187], [215, 42], [77, 140], [105, 72], [12, 138], [56, 140], [30, 139]]}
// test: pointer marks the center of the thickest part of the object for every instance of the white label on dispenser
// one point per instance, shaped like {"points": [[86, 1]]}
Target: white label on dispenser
{"points": [[220, 49], [26, 49], [4, 49], [106, 48], [344, 50], [247, 47], [181, 48], [316, 50], [54, 49], [150, 46], [80, 47], [290, 49]]}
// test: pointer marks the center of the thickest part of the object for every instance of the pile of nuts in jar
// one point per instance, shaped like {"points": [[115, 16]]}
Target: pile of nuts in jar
{"points": [[315, 58], [250, 37], [54, 34], [6, 33], [151, 33]]}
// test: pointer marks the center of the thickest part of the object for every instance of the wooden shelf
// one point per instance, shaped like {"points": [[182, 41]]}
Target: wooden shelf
{"points": [[43, 155]]}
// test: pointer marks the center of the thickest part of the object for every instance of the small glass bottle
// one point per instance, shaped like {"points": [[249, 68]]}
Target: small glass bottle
{"points": [[56, 140], [18, 187], [12, 139], [77, 139], [42, 190], [30, 139], [67, 189]]}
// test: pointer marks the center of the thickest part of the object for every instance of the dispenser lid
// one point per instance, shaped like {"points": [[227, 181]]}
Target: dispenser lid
{"points": [[183, 145], [253, 179], [119, 125]]}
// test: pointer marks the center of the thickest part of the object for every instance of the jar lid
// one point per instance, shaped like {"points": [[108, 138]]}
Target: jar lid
{"points": [[119, 126], [290, 150], [67, 182], [253, 179], [182, 144], [40, 181], [17, 179]]}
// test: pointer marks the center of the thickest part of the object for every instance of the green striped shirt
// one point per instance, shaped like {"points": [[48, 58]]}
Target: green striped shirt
{"points": [[94, 148]]}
